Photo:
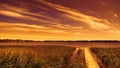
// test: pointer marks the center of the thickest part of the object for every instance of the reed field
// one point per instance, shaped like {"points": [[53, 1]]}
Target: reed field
{"points": [[41, 57], [109, 57]]}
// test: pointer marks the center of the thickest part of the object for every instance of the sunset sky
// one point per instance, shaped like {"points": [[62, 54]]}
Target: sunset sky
{"points": [[60, 19]]}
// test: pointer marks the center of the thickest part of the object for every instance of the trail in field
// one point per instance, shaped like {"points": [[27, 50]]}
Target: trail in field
{"points": [[75, 53], [90, 61], [68, 60]]}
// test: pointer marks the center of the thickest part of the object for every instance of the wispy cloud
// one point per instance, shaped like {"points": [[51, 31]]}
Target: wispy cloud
{"points": [[10, 13], [93, 22], [26, 27], [26, 30]]}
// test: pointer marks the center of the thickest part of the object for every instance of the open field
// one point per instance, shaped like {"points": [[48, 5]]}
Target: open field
{"points": [[41, 57], [60, 55], [109, 57], [69, 44]]}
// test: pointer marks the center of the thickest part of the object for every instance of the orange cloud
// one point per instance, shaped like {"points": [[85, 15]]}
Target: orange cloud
{"points": [[94, 22], [10, 13]]}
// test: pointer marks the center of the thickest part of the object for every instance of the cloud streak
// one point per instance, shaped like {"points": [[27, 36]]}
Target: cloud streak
{"points": [[10, 13], [94, 22]]}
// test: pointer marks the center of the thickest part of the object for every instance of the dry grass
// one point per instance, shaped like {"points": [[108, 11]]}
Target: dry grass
{"points": [[110, 57], [39, 57]]}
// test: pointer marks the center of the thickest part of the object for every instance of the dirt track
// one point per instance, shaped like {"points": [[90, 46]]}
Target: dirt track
{"points": [[90, 61]]}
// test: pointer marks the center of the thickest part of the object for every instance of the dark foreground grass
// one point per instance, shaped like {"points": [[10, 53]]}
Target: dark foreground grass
{"points": [[110, 57], [40, 57]]}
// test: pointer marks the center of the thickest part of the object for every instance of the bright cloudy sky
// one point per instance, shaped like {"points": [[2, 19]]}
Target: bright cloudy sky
{"points": [[60, 19]]}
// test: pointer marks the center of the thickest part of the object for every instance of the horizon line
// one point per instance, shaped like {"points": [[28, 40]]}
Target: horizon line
{"points": [[56, 40]]}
